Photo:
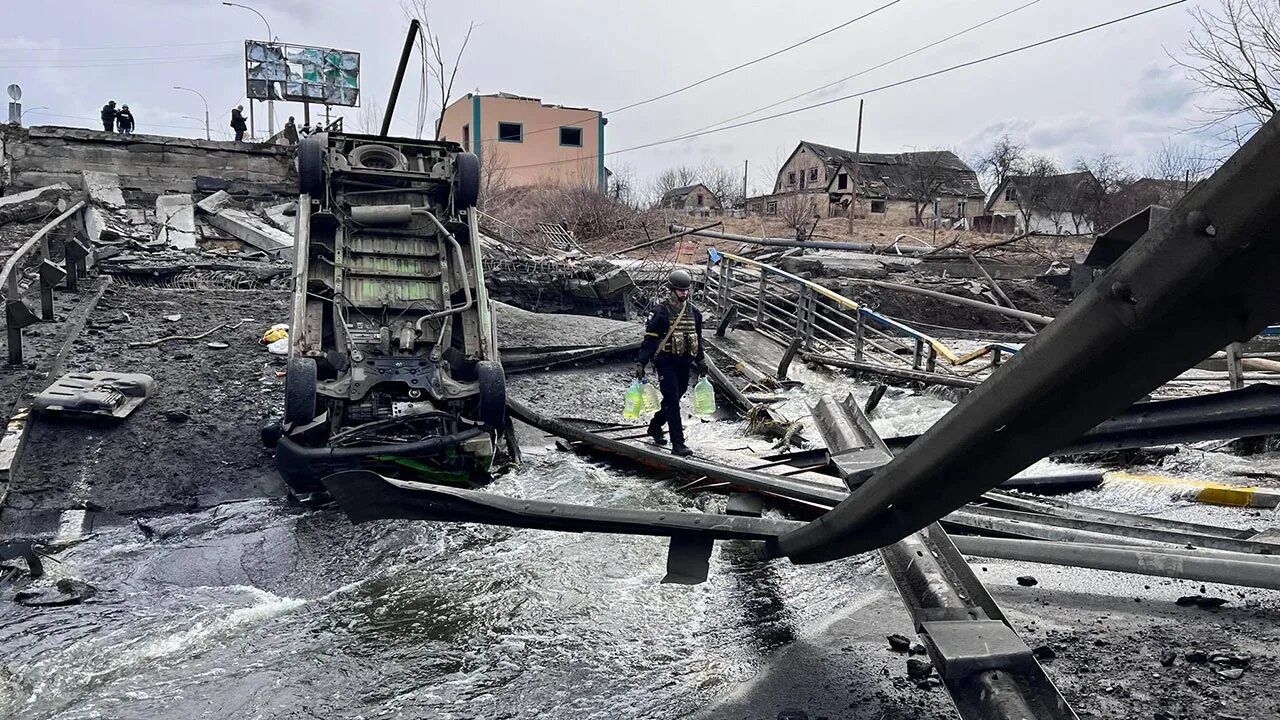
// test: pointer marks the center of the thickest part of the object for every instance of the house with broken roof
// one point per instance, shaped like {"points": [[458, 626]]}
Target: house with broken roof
{"points": [[1047, 204], [894, 188], [691, 198]]}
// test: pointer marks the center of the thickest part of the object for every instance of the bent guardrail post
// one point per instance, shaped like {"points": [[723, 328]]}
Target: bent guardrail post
{"points": [[16, 312], [1203, 277]]}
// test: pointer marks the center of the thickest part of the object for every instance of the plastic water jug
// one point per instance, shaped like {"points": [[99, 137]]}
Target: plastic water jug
{"points": [[651, 401], [704, 398], [633, 404]]}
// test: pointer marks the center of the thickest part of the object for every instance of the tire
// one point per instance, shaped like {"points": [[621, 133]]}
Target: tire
{"points": [[467, 190], [300, 391], [311, 168], [493, 393]]}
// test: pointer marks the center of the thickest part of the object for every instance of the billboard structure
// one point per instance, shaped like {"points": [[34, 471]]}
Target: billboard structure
{"points": [[301, 73]]}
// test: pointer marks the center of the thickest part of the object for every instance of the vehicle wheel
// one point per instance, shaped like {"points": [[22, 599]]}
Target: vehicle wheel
{"points": [[467, 190], [493, 393], [300, 391], [311, 168]]}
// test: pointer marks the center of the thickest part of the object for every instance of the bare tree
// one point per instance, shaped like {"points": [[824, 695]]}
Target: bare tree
{"points": [[495, 182], [798, 211], [723, 182], [435, 63], [624, 187], [1104, 204], [1003, 159], [670, 179], [924, 178], [1234, 56], [369, 121], [1184, 163], [1034, 192]]}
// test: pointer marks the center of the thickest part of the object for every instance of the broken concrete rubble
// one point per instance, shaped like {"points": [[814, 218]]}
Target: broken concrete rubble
{"points": [[252, 230], [32, 204], [215, 202], [176, 221]]}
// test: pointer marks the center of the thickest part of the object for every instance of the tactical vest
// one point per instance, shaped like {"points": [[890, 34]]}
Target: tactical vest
{"points": [[682, 335]]}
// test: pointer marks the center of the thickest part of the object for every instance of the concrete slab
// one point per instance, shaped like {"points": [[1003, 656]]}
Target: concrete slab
{"points": [[176, 221], [23, 197], [103, 188], [32, 204], [214, 202], [252, 230], [282, 216]]}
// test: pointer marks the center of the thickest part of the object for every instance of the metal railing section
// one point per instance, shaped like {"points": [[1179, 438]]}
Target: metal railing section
{"points": [[787, 307], [17, 314]]}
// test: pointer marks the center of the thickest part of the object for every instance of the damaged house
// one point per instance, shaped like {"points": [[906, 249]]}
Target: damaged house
{"points": [[910, 188], [1047, 204], [692, 198]]}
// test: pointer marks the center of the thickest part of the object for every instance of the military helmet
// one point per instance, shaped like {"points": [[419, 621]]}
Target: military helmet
{"points": [[680, 280]]}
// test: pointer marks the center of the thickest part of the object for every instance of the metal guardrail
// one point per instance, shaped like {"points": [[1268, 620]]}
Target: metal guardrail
{"points": [[833, 329], [17, 313], [786, 307]]}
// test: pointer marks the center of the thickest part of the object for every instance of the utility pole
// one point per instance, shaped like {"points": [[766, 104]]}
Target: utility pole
{"points": [[857, 156], [745, 164], [271, 104], [207, 134]]}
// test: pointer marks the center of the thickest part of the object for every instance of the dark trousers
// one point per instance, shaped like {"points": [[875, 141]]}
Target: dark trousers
{"points": [[239, 134], [109, 125], [673, 381]]}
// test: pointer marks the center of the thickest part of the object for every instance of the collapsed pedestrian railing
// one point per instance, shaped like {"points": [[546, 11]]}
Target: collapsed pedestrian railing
{"points": [[788, 308], [17, 314]]}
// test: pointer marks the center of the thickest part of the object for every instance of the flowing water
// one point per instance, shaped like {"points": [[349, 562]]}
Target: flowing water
{"points": [[261, 609]]}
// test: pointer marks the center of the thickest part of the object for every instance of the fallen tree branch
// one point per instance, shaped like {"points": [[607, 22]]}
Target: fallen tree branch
{"points": [[158, 341]]}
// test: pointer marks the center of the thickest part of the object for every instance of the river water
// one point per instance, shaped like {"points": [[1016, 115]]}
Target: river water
{"points": [[260, 609]]}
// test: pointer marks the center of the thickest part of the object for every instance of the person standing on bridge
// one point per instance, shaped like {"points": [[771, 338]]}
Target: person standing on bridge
{"points": [[124, 120], [109, 116], [237, 122], [673, 343]]}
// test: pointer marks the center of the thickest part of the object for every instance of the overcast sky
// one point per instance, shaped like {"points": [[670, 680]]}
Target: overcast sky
{"points": [[1114, 90]]}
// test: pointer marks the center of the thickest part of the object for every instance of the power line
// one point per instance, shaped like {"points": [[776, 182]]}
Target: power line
{"points": [[860, 73], [120, 47], [762, 58], [123, 62], [722, 73], [899, 83]]}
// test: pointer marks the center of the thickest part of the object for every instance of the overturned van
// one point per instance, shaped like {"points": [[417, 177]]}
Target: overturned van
{"points": [[393, 362]]}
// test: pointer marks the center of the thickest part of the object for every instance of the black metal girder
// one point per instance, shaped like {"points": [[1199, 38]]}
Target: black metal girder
{"points": [[1201, 279], [365, 495], [1247, 412]]}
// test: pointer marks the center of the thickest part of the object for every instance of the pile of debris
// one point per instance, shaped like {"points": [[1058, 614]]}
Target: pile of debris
{"points": [[550, 273], [248, 244]]}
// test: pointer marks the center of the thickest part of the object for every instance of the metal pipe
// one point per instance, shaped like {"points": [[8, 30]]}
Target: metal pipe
{"points": [[1011, 519], [462, 265], [917, 375], [1020, 314], [672, 236], [400, 68], [810, 244], [1130, 560]]}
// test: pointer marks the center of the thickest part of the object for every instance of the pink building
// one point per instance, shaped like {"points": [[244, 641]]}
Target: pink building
{"points": [[527, 142]]}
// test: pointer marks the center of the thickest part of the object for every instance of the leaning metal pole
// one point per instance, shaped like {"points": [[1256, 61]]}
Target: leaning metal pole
{"points": [[1201, 279], [395, 86]]}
